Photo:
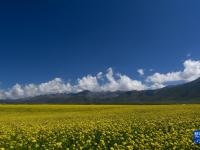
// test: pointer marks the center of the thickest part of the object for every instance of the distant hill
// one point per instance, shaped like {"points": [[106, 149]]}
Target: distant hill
{"points": [[185, 93]]}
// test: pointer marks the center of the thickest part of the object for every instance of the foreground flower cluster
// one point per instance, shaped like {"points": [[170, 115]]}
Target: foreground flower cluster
{"points": [[98, 127]]}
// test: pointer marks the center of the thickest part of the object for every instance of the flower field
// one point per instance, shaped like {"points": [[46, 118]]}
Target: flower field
{"points": [[93, 127]]}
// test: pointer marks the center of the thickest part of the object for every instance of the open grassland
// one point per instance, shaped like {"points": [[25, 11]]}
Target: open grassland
{"points": [[98, 126]]}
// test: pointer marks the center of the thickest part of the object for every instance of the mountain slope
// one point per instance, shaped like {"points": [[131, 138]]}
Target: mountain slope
{"points": [[185, 93]]}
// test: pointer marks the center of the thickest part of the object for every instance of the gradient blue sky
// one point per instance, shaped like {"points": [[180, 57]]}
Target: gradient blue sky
{"points": [[41, 40]]}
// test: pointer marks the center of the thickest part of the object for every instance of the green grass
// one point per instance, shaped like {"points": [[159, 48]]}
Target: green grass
{"points": [[98, 126]]}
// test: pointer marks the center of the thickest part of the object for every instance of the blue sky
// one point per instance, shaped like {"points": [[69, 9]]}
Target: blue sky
{"points": [[42, 40]]}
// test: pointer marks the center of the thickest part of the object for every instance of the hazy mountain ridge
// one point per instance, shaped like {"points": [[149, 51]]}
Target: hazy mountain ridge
{"points": [[185, 93]]}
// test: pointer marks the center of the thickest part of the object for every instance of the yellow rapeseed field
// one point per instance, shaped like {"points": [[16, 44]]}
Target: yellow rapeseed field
{"points": [[109, 127]]}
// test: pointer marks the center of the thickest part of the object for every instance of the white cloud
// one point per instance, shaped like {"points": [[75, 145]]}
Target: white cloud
{"points": [[55, 86], [156, 86], [122, 83], [88, 82], [17, 91], [163, 78], [127, 84], [141, 71], [113, 82], [190, 72], [109, 81], [99, 75]]}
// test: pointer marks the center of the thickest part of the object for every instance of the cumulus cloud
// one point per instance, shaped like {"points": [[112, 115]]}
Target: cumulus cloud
{"points": [[121, 83], [113, 82], [108, 81], [163, 78], [190, 72], [54, 86], [141, 71], [156, 86], [88, 82]]}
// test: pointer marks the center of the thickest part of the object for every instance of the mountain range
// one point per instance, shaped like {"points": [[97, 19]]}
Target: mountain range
{"points": [[178, 94]]}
